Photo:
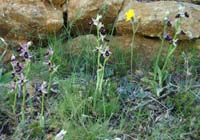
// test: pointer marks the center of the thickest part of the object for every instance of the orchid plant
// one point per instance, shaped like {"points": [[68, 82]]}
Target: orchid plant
{"points": [[160, 71], [46, 86], [103, 54], [20, 74]]}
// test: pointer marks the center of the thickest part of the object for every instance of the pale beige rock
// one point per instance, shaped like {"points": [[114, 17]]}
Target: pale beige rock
{"points": [[28, 19], [58, 2], [152, 15], [146, 49], [80, 12]]}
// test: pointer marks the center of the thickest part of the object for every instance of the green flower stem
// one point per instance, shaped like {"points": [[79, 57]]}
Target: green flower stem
{"points": [[15, 99], [27, 69], [171, 47], [156, 65], [99, 69], [134, 30], [43, 100], [23, 102], [50, 81], [132, 43], [100, 74], [42, 123], [104, 107]]}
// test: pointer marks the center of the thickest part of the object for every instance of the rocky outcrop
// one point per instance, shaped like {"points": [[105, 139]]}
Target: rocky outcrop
{"points": [[28, 19], [145, 48], [80, 12], [189, 1], [152, 15], [58, 3]]}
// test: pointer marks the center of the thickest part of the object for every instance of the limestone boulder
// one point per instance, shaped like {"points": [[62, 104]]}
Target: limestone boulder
{"points": [[28, 19], [80, 12], [152, 18], [145, 48], [58, 3]]}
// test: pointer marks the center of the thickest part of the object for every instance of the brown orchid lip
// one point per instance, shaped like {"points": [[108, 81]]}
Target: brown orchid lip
{"points": [[107, 53], [167, 37], [46, 54], [18, 69], [168, 23], [177, 16], [106, 40], [103, 31], [186, 14], [26, 55], [182, 32]]}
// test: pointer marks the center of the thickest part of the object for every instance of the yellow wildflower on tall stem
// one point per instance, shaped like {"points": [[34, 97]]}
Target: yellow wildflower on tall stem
{"points": [[130, 17], [130, 14]]}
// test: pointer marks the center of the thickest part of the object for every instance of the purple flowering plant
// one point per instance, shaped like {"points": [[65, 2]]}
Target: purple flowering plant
{"points": [[46, 86], [160, 71], [103, 53], [20, 74]]}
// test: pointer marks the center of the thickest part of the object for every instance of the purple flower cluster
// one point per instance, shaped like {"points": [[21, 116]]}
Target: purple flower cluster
{"points": [[49, 55], [19, 67], [23, 50], [179, 16], [182, 13], [168, 22], [170, 39], [102, 48]]}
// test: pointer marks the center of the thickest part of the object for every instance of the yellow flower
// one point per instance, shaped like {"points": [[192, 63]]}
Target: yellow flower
{"points": [[130, 14]]}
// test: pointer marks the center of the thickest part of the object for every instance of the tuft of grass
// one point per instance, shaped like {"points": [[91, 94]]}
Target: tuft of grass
{"points": [[74, 112]]}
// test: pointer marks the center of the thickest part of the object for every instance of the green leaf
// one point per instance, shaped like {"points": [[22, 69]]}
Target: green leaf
{"points": [[1, 70], [5, 78], [160, 76], [2, 55], [42, 123]]}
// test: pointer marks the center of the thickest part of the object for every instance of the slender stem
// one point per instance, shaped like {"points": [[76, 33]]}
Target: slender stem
{"points": [[101, 80], [23, 102], [97, 91], [159, 55], [98, 79], [134, 30], [172, 48], [168, 57], [133, 37], [15, 99], [104, 107], [27, 69], [42, 110], [49, 83]]}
